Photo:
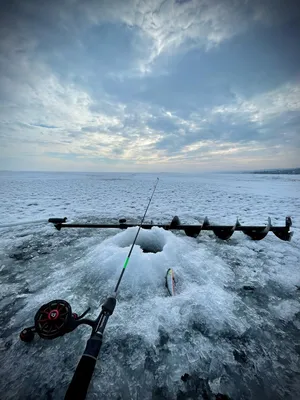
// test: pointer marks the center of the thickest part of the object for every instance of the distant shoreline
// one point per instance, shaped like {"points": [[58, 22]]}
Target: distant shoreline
{"points": [[286, 171], [290, 171]]}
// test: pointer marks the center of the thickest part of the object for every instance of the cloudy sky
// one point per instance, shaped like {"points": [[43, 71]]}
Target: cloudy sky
{"points": [[149, 85]]}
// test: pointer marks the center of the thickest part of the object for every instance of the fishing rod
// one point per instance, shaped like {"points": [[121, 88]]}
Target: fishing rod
{"points": [[55, 319]]}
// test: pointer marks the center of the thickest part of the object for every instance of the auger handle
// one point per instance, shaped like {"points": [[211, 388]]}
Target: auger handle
{"points": [[79, 385]]}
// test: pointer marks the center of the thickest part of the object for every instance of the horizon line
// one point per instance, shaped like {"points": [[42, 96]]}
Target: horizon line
{"points": [[154, 172]]}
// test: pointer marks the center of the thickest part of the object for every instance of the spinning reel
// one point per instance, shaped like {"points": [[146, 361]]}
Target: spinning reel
{"points": [[54, 319]]}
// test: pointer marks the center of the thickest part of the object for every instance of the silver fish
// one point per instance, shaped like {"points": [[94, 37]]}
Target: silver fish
{"points": [[170, 281]]}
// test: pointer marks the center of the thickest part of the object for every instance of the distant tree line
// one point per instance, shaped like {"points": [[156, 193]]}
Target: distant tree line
{"points": [[289, 171]]}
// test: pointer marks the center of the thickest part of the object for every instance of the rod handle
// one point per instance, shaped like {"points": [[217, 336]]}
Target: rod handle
{"points": [[79, 385]]}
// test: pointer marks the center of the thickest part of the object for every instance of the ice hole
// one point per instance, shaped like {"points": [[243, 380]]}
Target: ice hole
{"points": [[150, 241]]}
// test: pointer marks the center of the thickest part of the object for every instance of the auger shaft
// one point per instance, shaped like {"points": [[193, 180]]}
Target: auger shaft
{"points": [[256, 232]]}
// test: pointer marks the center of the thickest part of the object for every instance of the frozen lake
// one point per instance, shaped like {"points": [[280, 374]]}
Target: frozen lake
{"points": [[245, 344]]}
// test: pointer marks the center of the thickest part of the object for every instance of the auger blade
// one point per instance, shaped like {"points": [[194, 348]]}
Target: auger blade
{"points": [[284, 233], [194, 230], [258, 233], [190, 231], [224, 233], [175, 222]]}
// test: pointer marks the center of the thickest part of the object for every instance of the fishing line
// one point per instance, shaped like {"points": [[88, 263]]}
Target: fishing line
{"points": [[136, 236]]}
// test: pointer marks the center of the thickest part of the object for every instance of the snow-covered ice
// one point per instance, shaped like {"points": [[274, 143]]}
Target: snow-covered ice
{"points": [[243, 343]]}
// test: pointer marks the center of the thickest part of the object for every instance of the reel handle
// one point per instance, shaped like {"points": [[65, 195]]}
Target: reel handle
{"points": [[84, 313], [27, 334]]}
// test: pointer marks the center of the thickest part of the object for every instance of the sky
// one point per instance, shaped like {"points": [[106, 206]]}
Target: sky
{"points": [[149, 86]]}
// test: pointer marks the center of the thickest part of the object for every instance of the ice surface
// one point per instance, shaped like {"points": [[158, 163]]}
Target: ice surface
{"points": [[244, 343]]}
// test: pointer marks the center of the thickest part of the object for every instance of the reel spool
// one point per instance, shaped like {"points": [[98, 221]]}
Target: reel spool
{"points": [[54, 319]]}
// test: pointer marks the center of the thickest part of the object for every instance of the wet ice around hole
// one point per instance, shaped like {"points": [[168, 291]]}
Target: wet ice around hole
{"points": [[244, 343]]}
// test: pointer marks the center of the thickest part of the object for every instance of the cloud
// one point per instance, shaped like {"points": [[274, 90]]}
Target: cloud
{"points": [[195, 23], [160, 84], [267, 105], [265, 127]]}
